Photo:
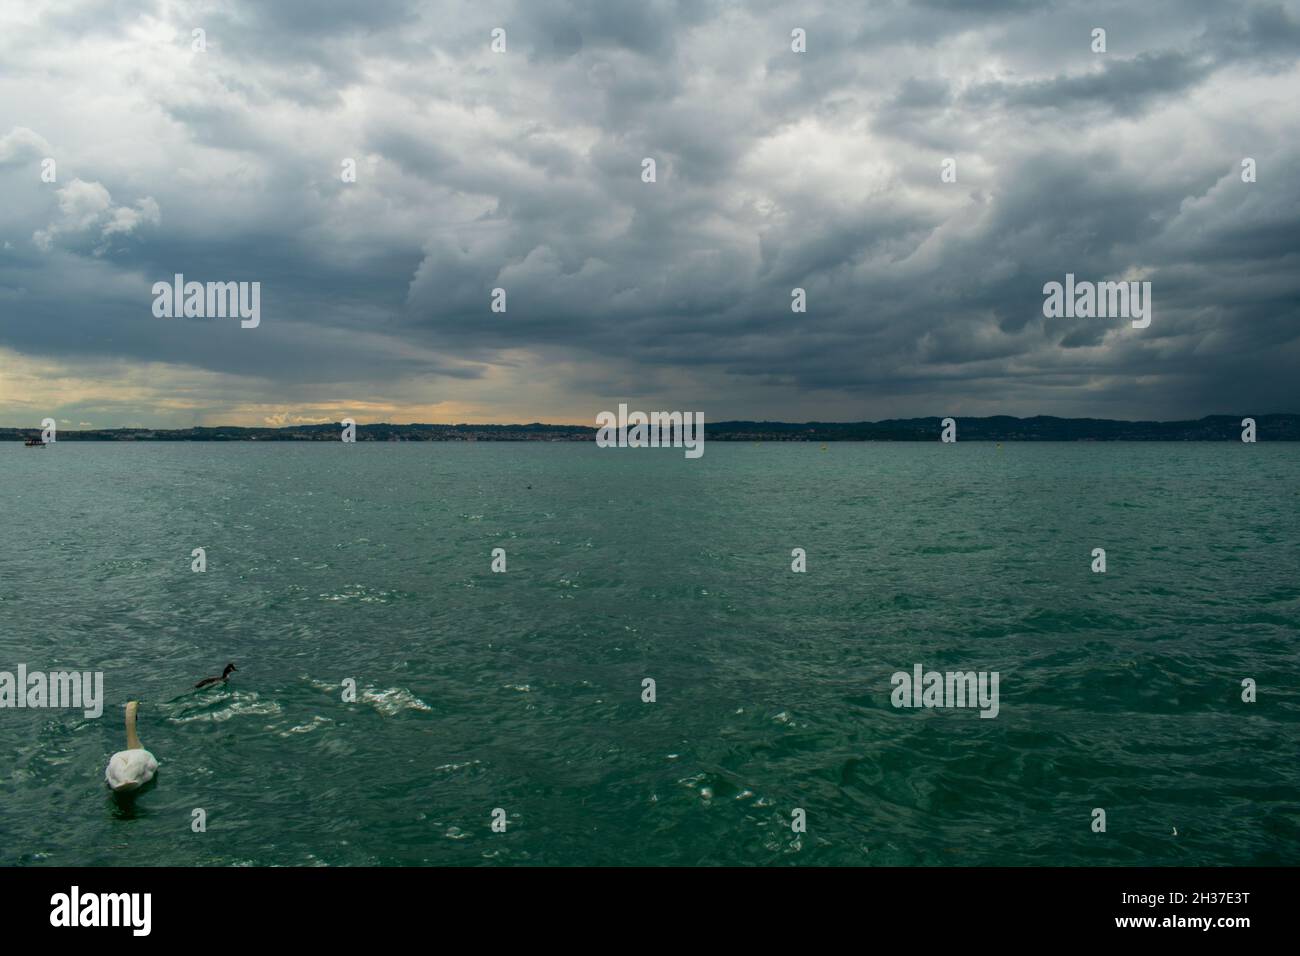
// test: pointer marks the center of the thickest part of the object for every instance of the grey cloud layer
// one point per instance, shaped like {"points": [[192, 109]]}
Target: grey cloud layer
{"points": [[775, 170]]}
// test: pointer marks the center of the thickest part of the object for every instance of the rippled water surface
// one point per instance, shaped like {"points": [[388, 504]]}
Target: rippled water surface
{"points": [[522, 690]]}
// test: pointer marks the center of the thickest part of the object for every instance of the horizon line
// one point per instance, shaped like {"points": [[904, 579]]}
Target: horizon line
{"points": [[730, 421]]}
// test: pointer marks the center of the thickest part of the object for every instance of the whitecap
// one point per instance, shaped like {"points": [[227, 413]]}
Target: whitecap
{"points": [[237, 708], [392, 700], [316, 721]]}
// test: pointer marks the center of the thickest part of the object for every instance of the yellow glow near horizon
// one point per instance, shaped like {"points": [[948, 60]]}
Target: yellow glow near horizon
{"points": [[108, 393]]}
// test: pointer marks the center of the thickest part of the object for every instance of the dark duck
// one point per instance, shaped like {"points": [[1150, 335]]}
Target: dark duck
{"points": [[209, 681]]}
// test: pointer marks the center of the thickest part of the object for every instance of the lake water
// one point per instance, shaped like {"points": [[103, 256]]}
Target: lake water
{"points": [[523, 690]]}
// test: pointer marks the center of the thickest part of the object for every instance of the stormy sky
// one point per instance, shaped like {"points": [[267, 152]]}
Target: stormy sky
{"points": [[522, 170]]}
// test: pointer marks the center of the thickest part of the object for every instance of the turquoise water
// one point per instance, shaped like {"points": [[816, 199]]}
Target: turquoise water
{"points": [[522, 690]]}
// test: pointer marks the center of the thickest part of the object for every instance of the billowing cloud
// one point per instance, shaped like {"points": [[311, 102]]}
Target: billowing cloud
{"points": [[21, 144], [86, 212], [521, 170]]}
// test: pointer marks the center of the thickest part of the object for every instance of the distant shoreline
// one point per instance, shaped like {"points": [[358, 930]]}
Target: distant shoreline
{"points": [[1270, 427]]}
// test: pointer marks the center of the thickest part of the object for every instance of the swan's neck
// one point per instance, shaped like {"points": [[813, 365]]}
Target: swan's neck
{"points": [[132, 741]]}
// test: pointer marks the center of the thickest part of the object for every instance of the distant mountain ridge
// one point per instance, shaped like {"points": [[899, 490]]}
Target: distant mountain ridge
{"points": [[1272, 427]]}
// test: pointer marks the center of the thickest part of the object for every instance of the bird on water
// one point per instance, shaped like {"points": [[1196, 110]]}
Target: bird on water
{"points": [[209, 681], [132, 768]]}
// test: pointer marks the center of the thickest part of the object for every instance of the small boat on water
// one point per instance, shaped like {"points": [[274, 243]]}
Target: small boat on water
{"points": [[34, 443]]}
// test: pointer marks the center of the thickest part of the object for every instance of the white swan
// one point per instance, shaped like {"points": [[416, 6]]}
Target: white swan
{"points": [[133, 767]]}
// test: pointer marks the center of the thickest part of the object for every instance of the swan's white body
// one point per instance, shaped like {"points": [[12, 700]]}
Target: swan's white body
{"points": [[132, 768]]}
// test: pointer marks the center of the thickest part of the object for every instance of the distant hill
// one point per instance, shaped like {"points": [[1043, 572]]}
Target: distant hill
{"points": [[1280, 427]]}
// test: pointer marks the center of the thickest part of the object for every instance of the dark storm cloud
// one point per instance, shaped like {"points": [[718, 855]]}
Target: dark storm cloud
{"points": [[1124, 86], [1267, 33], [775, 170]]}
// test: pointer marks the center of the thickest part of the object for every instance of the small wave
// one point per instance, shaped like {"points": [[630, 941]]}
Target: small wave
{"points": [[316, 722], [239, 706], [392, 700], [388, 701], [452, 767], [362, 594]]}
